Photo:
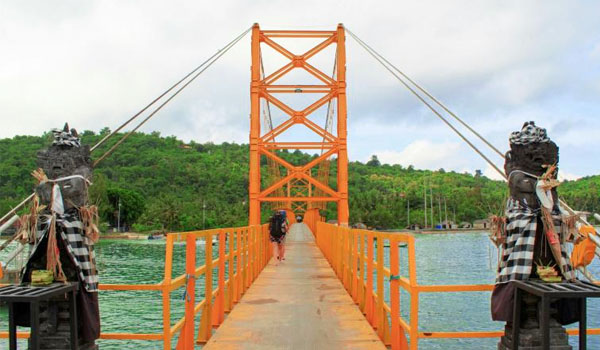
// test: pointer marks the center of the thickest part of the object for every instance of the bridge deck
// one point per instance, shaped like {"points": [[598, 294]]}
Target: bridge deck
{"points": [[299, 304]]}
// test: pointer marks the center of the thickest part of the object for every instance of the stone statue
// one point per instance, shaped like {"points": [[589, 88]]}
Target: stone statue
{"points": [[65, 234], [533, 229]]}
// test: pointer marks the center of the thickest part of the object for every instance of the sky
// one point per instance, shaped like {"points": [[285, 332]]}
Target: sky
{"points": [[496, 64]]}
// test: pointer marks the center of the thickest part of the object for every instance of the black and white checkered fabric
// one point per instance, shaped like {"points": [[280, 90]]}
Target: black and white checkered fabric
{"points": [[517, 258], [63, 138], [528, 134], [80, 247]]}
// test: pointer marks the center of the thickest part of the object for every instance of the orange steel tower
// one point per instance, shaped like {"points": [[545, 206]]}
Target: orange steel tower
{"points": [[263, 143]]}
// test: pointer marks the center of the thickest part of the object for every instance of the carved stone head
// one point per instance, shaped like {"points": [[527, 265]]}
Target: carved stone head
{"points": [[530, 150], [65, 157]]}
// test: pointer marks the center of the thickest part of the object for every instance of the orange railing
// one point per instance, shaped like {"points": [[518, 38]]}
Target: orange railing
{"points": [[242, 252], [355, 257]]}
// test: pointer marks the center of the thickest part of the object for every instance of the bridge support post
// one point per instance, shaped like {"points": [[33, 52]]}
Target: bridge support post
{"points": [[301, 186], [342, 133], [254, 181]]}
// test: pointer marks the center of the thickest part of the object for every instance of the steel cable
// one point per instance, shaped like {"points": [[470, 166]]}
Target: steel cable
{"points": [[220, 53], [162, 95], [214, 58], [373, 53], [386, 64], [430, 96]]}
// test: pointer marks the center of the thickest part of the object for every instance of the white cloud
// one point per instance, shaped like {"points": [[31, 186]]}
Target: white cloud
{"points": [[425, 154], [94, 64], [567, 176], [492, 173], [520, 85], [595, 53]]}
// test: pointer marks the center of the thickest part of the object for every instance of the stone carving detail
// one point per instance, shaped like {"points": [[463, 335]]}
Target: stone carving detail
{"points": [[532, 156], [63, 239]]}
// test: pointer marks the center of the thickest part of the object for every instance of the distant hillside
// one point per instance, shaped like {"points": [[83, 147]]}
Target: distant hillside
{"points": [[163, 182]]}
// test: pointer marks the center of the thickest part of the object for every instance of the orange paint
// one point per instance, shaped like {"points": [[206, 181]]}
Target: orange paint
{"points": [[343, 247], [307, 189]]}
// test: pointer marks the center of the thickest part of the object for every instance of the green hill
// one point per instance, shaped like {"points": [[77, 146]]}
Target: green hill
{"points": [[163, 182]]}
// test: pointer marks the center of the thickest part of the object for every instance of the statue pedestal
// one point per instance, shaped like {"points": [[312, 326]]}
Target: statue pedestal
{"points": [[54, 331], [531, 339]]}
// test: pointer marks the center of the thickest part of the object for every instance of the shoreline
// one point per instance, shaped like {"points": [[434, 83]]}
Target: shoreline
{"points": [[124, 235], [454, 230], [441, 231]]}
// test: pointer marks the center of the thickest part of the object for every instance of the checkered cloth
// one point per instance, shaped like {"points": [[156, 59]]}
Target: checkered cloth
{"points": [[80, 247], [517, 258], [528, 134], [65, 138]]}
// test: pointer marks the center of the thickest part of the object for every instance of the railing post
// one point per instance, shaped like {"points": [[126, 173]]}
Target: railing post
{"points": [[219, 309], [361, 270], [354, 265], [379, 308], [247, 271], [205, 328], [251, 255], [414, 295], [345, 258], [338, 257], [265, 244], [239, 280], [231, 284], [330, 247], [256, 252], [166, 293], [397, 332], [186, 338], [369, 289], [259, 249]]}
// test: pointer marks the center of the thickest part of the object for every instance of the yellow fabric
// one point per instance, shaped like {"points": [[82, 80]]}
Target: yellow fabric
{"points": [[583, 252]]}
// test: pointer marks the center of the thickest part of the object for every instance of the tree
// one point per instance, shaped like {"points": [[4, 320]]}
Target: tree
{"points": [[131, 206], [161, 184], [374, 161], [98, 195]]}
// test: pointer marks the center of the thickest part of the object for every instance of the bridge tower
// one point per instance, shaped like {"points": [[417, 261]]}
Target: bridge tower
{"points": [[262, 137]]}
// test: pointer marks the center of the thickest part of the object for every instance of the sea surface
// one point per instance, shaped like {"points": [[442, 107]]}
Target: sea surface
{"points": [[459, 258]]}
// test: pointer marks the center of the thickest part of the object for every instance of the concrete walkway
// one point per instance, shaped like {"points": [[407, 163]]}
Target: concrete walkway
{"points": [[299, 304]]}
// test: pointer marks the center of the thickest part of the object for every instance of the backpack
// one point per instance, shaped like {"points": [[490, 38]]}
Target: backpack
{"points": [[276, 226]]}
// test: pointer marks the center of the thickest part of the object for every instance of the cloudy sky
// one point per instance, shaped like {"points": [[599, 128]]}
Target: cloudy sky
{"points": [[494, 63]]}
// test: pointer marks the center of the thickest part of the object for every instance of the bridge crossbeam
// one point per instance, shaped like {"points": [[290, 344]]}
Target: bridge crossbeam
{"points": [[298, 181]]}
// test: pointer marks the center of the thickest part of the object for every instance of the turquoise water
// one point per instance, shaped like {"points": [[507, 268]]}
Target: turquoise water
{"points": [[465, 259], [441, 259]]}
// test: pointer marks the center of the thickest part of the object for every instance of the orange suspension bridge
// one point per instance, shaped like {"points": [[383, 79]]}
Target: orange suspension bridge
{"points": [[330, 293]]}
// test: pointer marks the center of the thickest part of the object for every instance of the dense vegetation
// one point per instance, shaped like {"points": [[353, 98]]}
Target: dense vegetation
{"points": [[161, 182]]}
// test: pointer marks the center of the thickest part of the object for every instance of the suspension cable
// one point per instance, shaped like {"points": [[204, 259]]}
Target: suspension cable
{"points": [[14, 210], [214, 58], [266, 112], [361, 43], [330, 106], [221, 52], [430, 96], [381, 60], [105, 138]]}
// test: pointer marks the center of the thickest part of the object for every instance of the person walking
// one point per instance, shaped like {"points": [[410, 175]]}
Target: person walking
{"points": [[285, 228], [277, 231]]}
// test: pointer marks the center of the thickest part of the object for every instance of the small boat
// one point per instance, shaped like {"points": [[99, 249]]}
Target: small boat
{"points": [[156, 235]]}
